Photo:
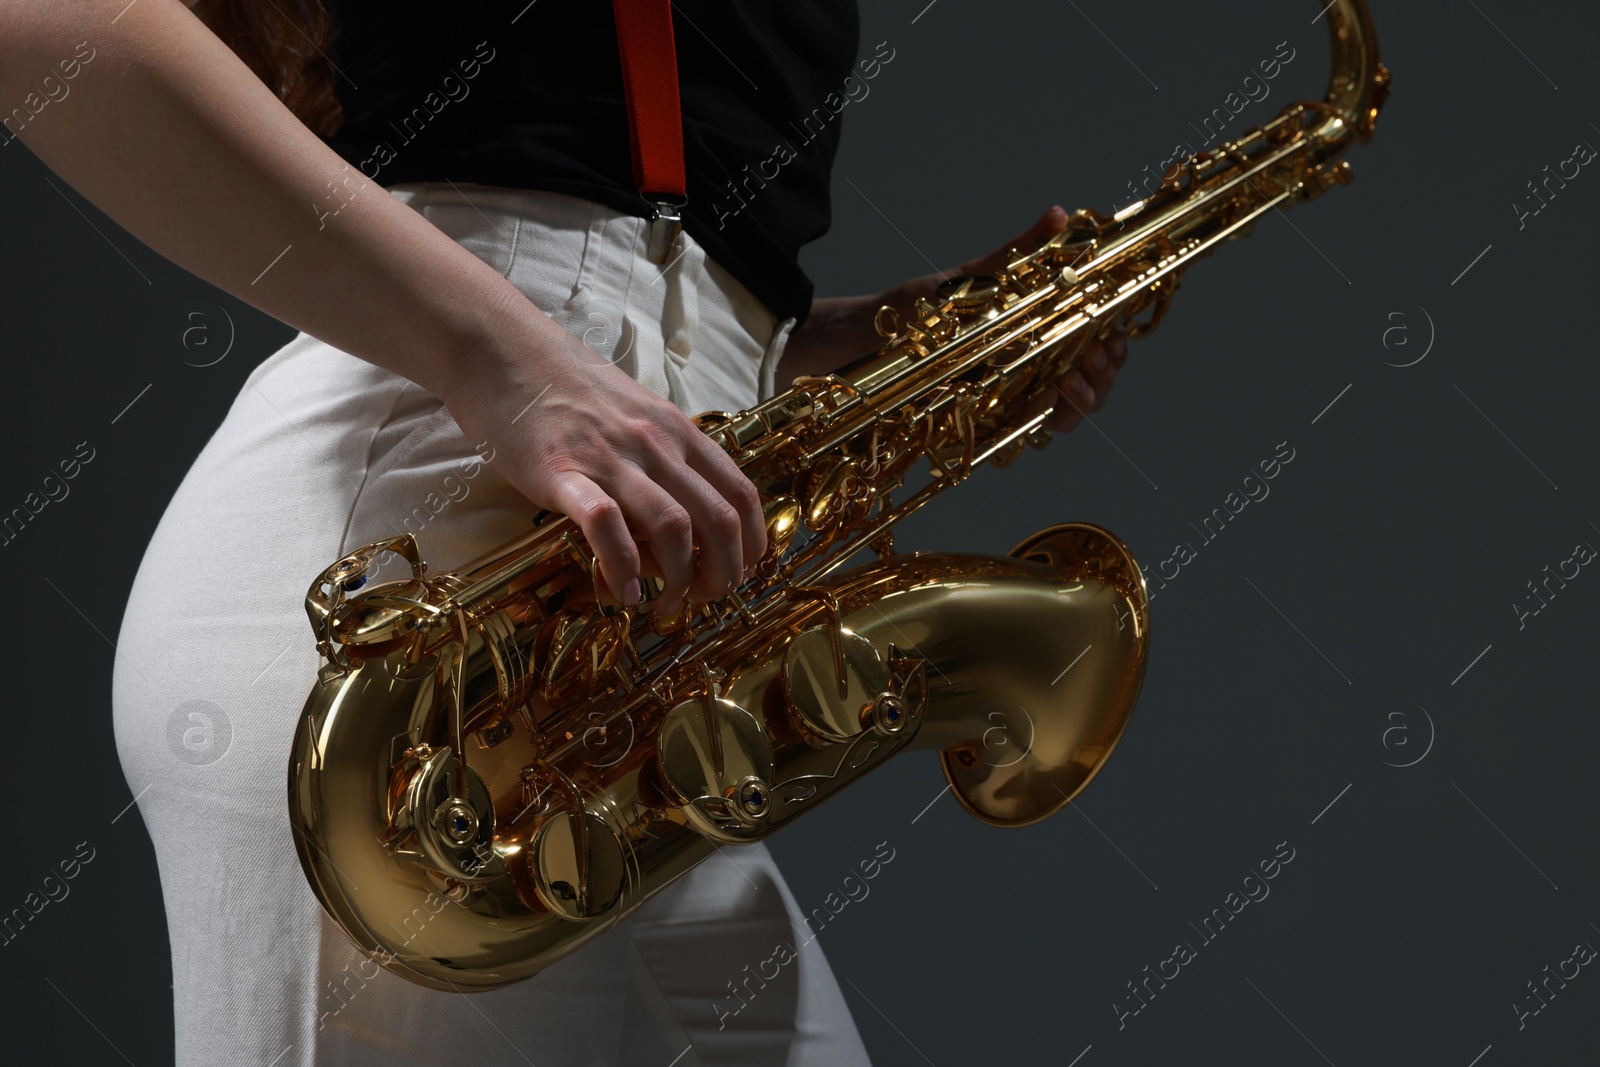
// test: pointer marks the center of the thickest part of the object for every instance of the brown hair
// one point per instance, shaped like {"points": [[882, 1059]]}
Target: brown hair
{"points": [[285, 43]]}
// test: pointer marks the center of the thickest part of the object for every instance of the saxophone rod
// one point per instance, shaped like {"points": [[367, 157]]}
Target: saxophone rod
{"points": [[1230, 151], [944, 481], [1099, 263], [914, 502], [1182, 259], [776, 408]]}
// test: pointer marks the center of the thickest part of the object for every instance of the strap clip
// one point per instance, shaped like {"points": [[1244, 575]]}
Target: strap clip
{"points": [[664, 211]]}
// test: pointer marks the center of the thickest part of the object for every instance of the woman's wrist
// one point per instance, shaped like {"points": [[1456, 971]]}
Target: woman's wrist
{"points": [[506, 336]]}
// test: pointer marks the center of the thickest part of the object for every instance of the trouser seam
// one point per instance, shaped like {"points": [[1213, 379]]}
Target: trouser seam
{"points": [[366, 466], [516, 235]]}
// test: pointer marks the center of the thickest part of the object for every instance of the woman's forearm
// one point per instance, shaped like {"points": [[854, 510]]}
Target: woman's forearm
{"points": [[165, 130], [840, 328]]}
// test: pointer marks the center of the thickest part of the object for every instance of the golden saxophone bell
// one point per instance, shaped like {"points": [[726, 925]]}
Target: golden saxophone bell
{"points": [[497, 764]]}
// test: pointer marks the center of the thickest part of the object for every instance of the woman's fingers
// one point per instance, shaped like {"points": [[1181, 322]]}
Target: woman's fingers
{"points": [[1099, 369], [644, 482], [1072, 398], [604, 526], [718, 528], [655, 516], [1052, 222], [725, 477], [645, 496], [1084, 389]]}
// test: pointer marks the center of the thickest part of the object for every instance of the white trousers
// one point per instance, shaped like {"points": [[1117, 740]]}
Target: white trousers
{"points": [[321, 453]]}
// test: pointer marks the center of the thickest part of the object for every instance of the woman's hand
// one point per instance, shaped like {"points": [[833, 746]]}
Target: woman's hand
{"points": [[1083, 389], [840, 328], [574, 434]]}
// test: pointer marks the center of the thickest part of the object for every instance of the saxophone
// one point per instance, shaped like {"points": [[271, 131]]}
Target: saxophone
{"points": [[499, 763]]}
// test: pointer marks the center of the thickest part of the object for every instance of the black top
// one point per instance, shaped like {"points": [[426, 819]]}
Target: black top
{"points": [[529, 95]]}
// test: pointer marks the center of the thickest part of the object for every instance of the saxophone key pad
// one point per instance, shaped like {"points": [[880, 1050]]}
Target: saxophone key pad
{"points": [[716, 759], [578, 865], [455, 834], [820, 706]]}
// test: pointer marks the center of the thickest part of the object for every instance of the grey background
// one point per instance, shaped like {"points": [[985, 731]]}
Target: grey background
{"points": [[1356, 619]]}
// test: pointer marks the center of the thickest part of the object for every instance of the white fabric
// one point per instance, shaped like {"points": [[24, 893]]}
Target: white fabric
{"points": [[320, 453]]}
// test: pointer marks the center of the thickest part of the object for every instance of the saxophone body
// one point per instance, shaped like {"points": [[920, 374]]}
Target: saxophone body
{"points": [[497, 764]]}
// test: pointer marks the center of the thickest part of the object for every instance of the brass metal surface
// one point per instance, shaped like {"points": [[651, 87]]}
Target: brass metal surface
{"points": [[496, 764]]}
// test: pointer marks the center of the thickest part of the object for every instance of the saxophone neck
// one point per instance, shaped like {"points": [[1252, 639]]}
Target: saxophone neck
{"points": [[1358, 82]]}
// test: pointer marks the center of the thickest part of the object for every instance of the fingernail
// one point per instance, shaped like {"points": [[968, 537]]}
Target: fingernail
{"points": [[1120, 347], [1098, 360], [1078, 384], [630, 592]]}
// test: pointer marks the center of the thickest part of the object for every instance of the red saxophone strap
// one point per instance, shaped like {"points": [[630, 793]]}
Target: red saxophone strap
{"points": [[655, 115]]}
